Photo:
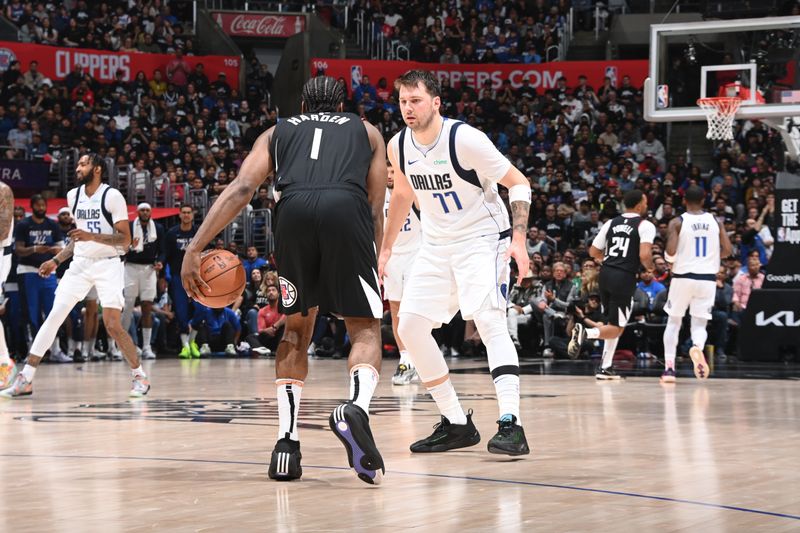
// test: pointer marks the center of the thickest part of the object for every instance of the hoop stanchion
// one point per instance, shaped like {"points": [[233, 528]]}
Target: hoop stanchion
{"points": [[720, 112]]}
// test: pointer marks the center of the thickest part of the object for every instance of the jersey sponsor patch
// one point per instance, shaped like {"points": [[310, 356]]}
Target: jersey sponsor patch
{"points": [[288, 292]]}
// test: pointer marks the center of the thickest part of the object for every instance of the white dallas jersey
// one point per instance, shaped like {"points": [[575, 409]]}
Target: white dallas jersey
{"points": [[455, 182], [97, 214], [410, 236], [698, 245]]}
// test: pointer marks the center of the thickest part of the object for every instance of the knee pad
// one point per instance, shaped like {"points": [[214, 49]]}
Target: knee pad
{"points": [[491, 323], [500, 350], [415, 331]]}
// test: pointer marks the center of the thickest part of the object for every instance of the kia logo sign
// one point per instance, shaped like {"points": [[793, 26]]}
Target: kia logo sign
{"points": [[780, 319], [259, 25]]}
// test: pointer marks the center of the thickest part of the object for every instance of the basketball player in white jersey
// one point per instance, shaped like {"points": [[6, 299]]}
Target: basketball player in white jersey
{"points": [[8, 371], [102, 232], [397, 271], [453, 170], [693, 247]]}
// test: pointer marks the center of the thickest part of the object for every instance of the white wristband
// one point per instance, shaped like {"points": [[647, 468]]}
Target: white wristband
{"points": [[669, 258], [519, 193]]}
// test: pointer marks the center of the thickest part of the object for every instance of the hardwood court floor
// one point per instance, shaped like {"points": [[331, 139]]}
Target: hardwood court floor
{"points": [[78, 456]]}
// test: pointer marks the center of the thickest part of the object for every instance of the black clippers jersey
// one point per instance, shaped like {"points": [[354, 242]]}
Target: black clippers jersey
{"points": [[622, 244], [319, 150]]}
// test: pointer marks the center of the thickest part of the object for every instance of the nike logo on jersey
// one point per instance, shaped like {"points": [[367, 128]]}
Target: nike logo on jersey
{"points": [[412, 162], [430, 182]]}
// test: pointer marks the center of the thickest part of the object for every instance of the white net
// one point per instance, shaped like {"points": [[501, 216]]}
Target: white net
{"points": [[720, 112]]}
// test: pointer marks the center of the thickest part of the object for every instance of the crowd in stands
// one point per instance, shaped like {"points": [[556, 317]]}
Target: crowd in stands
{"points": [[148, 26], [483, 31], [581, 147]]}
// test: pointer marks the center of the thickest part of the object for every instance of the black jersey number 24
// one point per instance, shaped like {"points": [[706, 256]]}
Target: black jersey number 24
{"points": [[619, 247]]}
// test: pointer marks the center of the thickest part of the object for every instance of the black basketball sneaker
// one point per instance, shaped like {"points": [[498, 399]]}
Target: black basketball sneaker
{"points": [[447, 436], [285, 462], [510, 438], [351, 425]]}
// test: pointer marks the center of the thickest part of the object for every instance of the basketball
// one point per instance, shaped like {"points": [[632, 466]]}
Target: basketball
{"points": [[225, 276]]}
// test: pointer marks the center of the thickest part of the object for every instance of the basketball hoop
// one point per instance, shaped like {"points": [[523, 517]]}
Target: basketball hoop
{"points": [[720, 112]]}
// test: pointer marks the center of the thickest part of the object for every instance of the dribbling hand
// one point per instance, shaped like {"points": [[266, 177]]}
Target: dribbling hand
{"points": [[190, 275]]}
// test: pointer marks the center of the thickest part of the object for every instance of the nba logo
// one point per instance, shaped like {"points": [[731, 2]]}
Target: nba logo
{"points": [[662, 97], [355, 76], [611, 73]]}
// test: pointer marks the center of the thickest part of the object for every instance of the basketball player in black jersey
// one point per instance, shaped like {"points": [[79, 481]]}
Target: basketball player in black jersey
{"points": [[624, 242], [330, 173]]}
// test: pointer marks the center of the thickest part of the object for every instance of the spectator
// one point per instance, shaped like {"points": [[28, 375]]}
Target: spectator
{"points": [[178, 70], [271, 324], [720, 314], [253, 261], [744, 284], [218, 330], [650, 287]]}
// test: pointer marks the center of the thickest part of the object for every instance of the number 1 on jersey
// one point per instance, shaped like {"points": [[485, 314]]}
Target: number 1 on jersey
{"points": [[315, 143], [451, 194]]}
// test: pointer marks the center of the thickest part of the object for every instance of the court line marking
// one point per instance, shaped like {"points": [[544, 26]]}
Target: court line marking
{"points": [[424, 474]]}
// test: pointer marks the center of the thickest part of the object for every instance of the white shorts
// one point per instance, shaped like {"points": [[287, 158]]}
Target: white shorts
{"points": [[397, 271], [140, 280], [106, 275], [470, 276], [5, 269], [696, 295]]}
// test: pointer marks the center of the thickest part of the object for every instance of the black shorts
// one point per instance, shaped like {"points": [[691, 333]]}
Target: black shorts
{"points": [[325, 252], [616, 294]]}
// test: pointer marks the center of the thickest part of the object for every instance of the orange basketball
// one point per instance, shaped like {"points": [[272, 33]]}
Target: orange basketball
{"points": [[224, 274]]}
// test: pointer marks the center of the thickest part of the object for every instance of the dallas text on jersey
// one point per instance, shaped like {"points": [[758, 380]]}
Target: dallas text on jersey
{"points": [[431, 182]]}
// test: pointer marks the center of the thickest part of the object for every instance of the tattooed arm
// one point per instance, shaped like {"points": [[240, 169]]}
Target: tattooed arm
{"points": [[47, 268], [6, 209], [519, 223], [121, 237]]}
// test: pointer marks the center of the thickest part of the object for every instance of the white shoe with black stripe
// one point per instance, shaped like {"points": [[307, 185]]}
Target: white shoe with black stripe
{"points": [[285, 462]]}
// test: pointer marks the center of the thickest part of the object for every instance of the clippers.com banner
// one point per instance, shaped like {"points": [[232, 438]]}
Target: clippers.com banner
{"points": [[541, 76], [56, 62], [267, 25]]}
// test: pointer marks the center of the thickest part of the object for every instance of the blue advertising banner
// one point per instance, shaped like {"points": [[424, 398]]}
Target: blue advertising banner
{"points": [[19, 174]]}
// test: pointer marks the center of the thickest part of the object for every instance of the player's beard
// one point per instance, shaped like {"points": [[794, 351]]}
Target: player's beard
{"points": [[423, 125], [83, 179]]}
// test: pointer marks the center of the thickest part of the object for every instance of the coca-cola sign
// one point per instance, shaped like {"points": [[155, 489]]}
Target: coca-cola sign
{"points": [[259, 24]]}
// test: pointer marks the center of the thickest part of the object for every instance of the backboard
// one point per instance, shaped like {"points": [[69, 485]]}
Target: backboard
{"points": [[697, 59]]}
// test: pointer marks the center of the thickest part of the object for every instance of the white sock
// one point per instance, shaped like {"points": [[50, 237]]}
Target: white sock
{"points": [[609, 347], [405, 359], [55, 347], [5, 359], [506, 388], [671, 338], [90, 348], [112, 345], [447, 401], [185, 340], [138, 371], [289, 392], [592, 333], [28, 371], [363, 380], [71, 345], [192, 335], [147, 334]]}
